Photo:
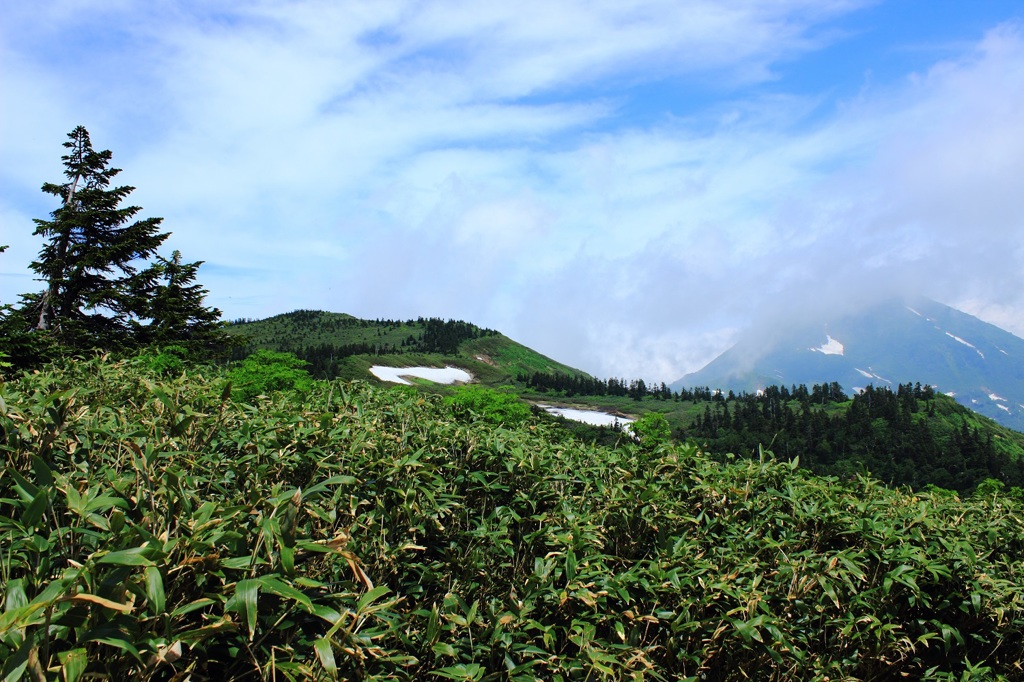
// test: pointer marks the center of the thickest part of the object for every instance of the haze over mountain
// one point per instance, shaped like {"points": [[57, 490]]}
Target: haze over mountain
{"points": [[886, 344], [663, 170]]}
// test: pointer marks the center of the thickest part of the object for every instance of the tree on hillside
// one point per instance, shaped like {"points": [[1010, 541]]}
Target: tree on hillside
{"points": [[92, 251], [103, 289]]}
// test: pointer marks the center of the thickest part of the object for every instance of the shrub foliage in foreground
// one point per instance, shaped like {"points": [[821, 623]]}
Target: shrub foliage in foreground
{"points": [[157, 529]]}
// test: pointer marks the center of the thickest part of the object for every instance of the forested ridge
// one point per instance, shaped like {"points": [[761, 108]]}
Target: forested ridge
{"points": [[325, 339], [339, 345], [908, 436]]}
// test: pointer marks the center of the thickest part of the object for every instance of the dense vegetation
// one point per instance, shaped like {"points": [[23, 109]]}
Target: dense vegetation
{"points": [[908, 436], [577, 384], [156, 527]]}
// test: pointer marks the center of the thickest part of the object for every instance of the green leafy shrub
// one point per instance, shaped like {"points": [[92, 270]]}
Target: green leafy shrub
{"points": [[494, 406], [990, 488], [651, 430], [166, 361], [266, 371]]}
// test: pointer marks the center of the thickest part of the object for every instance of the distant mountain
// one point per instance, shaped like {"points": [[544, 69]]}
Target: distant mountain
{"points": [[980, 365]]}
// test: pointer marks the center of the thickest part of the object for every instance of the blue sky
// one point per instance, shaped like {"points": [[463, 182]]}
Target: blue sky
{"points": [[625, 186]]}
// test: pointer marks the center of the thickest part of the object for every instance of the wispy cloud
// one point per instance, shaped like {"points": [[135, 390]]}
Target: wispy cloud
{"points": [[622, 185]]}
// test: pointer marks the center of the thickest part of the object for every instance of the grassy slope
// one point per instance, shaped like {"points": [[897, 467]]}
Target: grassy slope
{"points": [[953, 414], [514, 358], [143, 516], [492, 360], [314, 327]]}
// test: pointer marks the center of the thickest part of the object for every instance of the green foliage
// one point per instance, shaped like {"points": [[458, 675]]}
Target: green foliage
{"points": [[909, 436], [26, 348], [266, 371], [154, 528], [652, 430], [175, 306], [990, 488], [167, 361], [494, 406]]}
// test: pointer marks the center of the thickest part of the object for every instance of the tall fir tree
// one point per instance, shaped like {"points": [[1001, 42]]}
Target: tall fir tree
{"points": [[91, 254], [103, 287]]}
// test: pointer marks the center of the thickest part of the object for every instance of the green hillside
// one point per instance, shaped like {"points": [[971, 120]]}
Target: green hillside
{"points": [[339, 345], [909, 436], [157, 525]]}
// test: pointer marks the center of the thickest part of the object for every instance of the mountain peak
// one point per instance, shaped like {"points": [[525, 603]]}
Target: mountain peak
{"points": [[888, 343]]}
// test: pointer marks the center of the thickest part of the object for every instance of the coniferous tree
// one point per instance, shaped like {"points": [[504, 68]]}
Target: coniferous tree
{"points": [[174, 303], [90, 258], [102, 290]]}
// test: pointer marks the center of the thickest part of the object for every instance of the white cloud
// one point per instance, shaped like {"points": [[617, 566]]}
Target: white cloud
{"points": [[395, 159]]}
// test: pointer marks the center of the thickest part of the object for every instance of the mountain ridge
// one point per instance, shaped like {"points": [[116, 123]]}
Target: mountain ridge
{"points": [[887, 344], [341, 345]]}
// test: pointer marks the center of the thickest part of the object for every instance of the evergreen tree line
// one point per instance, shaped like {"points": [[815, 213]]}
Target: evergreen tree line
{"points": [[324, 359], [430, 335], [585, 385], [441, 336], [319, 322], [897, 436], [570, 385], [105, 284]]}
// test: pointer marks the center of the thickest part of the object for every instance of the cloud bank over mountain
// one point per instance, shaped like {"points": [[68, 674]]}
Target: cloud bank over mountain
{"points": [[622, 186]]}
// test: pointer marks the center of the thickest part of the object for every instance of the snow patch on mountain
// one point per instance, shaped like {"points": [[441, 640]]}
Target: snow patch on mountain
{"points": [[1004, 407], [993, 396], [966, 343], [593, 417], [439, 375], [871, 375], [830, 347], [890, 343]]}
